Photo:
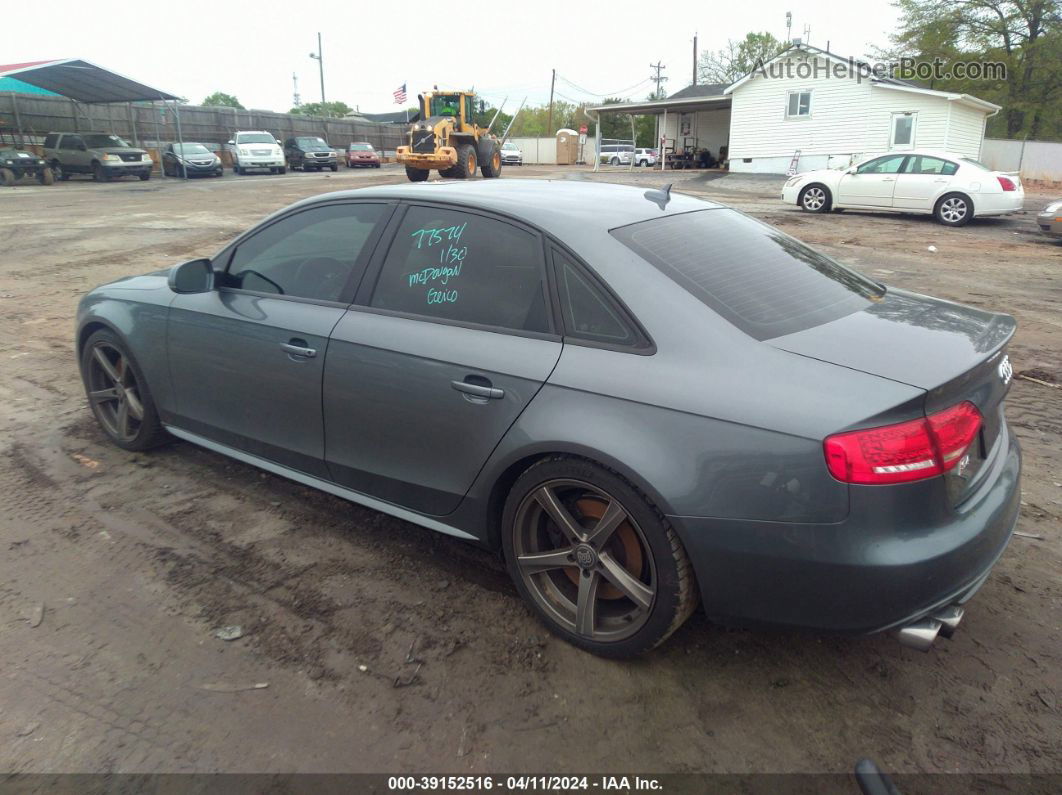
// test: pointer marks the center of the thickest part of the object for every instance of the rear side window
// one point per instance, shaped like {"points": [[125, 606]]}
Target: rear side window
{"points": [[924, 164], [311, 254], [459, 266], [761, 280], [588, 312]]}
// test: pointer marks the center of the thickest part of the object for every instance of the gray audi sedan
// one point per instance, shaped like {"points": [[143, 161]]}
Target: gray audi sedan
{"points": [[642, 400]]}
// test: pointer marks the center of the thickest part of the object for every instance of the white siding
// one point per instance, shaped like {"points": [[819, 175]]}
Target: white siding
{"points": [[849, 120], [966, 130], [760, 128]]}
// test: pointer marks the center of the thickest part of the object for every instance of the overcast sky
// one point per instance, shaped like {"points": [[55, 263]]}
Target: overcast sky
{"points": [[251, 49]]}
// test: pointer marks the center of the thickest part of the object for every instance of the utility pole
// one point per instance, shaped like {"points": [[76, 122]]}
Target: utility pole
{"points": [[695, 58], [658, 79], [319, 57], [296, 100], [549, 123]]}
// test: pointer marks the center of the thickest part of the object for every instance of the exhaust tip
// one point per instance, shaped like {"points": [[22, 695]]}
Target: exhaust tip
{"points": [[921, 634], [949, 618]]}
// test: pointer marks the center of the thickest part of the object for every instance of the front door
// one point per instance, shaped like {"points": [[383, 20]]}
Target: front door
{"points": [[449, 345], [872, 184], [923, 179], [247, 358]]}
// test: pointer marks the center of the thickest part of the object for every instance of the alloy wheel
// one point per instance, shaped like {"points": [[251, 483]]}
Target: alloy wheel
{"points": [[584, 560], [953, 209], [814, 199], [115, 393]]}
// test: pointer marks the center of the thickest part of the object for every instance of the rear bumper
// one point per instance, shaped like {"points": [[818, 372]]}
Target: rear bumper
{"points": [[1011, 201], [891, 562]]}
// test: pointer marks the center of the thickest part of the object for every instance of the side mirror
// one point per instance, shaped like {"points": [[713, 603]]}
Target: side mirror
{"points": [[852, 170], [82, 148], [231, 143], [194, 276]]}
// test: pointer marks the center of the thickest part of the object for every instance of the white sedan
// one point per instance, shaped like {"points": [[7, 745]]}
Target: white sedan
{"points": [[951, 187]]}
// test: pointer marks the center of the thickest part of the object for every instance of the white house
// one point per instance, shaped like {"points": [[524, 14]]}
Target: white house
{"points": [[832, 110]]}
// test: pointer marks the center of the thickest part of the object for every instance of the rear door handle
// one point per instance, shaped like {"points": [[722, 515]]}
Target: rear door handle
{"points": [[478, 390], [889, 179], [298, 348]]}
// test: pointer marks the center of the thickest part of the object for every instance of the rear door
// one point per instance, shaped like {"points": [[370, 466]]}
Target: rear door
{"points": [[452, 337], [247, 358], [922, 180], [873, 183]]}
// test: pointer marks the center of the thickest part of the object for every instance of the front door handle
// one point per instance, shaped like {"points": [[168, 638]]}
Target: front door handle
{"points": [[889, 179], [485, 391], [298, 348]]}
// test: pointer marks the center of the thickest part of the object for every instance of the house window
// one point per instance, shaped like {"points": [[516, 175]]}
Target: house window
{"points": [[798, 104], [903, 130]]}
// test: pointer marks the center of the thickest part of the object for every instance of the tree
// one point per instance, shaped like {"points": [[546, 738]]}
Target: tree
{"points": [[1023, 35], [328, 109], [738, 58], [219, 99]]}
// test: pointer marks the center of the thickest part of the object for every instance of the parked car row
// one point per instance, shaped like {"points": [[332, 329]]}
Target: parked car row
{"points": [[106, 156]]}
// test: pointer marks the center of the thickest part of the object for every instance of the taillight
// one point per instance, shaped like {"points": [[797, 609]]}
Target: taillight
{"points": [[1006, 183], [906, 451]]}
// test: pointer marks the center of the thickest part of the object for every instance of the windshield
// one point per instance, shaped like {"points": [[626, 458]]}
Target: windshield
{"points": [[191, 149], [255, 138], [311, 143], [445, 105], [101, 141], [761, 280], [361, 147], [509, 146]]}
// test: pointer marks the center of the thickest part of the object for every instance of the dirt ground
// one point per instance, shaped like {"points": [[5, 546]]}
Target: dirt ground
{"points": [[373, 645]]}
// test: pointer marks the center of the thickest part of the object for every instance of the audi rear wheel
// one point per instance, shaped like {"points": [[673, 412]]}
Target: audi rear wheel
{"points": [[595, 559]]}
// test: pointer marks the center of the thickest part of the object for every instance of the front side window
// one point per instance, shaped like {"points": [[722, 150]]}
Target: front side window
{"points": [[890, 164], [762, 281], [311, 254], [923, 164], [458, 266], [798, 103], [71, 142]]}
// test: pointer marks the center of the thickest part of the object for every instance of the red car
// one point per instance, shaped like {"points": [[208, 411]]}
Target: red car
{"points": [[362, 154]]}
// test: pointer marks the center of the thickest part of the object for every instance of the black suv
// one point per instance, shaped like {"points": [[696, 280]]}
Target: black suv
{"points": [[310, 153]]}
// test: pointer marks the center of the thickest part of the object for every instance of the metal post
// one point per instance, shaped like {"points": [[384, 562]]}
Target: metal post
{"points": [[549, 124], [180, 140], [158, 138], [18, 119], [132, 123], [319, 57], [634, 140], [663, 141]]}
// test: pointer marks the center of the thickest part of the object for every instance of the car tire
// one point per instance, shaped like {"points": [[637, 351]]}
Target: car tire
{"points": [[7, 177], [117, 392], [815, 198], [953, 209], [46, 176], [416, 174], [99, 174], [614, 161], [145, 177], [334, 167], [282, 170], [615, 598], [58, 170]]}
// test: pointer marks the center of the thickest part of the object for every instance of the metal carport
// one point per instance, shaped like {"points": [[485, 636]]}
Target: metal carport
{"points": [[85, 82]]}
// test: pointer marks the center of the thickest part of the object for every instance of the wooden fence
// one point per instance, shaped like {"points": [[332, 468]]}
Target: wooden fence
{"points": [[28, 118]]}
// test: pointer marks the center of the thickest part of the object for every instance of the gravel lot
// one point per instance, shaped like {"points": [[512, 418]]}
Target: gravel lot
{"points": [[116, 569]]}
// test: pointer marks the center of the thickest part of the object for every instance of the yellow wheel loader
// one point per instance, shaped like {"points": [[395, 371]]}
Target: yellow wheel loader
{"points": [[445, 138]]}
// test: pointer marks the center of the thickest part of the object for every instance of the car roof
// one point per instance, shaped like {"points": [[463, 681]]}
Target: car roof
{"points": [[568, 208]]}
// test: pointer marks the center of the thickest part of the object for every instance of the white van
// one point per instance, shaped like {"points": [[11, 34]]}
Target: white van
{"points": [[617, 154]]}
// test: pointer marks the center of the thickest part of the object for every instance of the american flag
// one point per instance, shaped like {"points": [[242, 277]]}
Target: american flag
{"points": [[400, 94]]}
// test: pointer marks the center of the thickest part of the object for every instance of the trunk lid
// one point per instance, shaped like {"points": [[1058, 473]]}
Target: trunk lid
{"points": [[953, 352]]}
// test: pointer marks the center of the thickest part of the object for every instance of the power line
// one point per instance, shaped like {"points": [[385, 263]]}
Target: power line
{"points": [[606, 93]]}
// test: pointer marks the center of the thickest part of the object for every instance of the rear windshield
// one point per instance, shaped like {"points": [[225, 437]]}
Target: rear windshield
{"points": [[758, 278]]}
